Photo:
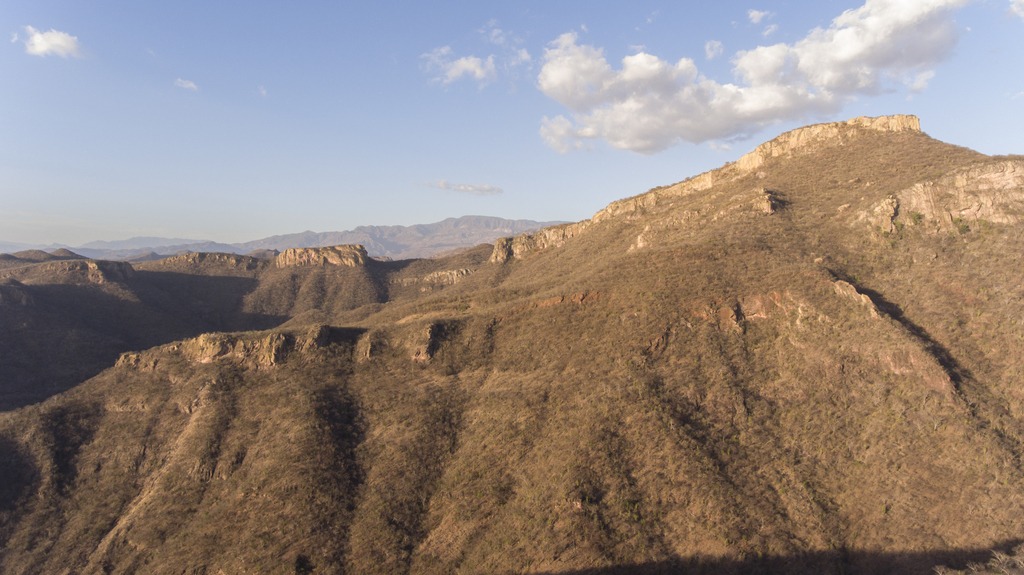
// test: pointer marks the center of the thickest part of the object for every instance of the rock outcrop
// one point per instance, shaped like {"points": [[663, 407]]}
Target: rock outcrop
{"points": [[435, 279], [836, 132], [80, 271], [345, 255], [514, 248], [991, 191], [848, 291], [193, 259], [259, 350]]}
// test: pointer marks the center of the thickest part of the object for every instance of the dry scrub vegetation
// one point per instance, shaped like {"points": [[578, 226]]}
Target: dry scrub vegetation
{"points": [[696, 386]]}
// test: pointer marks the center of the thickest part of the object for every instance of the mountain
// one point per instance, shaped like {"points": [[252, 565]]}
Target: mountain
{"points": [[138, 243], [806, 361], [396, 242], [11, 247], [405, 242]]}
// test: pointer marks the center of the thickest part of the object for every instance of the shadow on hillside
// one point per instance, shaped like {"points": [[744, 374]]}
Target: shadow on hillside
{"points": [[840, 562], [17, 473], [213, 301], [73, 332], [391, 266], [957, 373]]}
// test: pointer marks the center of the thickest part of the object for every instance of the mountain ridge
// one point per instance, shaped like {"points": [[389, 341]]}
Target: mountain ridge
{"points": [[797, 368], [396, 242]]}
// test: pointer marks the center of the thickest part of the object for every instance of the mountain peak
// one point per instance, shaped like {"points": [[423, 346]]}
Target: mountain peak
{"points": [[808, 138], [801, 138]]}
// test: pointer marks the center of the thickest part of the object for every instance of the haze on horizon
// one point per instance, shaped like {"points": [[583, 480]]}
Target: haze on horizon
{"points": [[208, 122]]}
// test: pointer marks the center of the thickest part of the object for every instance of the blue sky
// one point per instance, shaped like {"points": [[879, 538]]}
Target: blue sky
{"points": [[232, 121]]}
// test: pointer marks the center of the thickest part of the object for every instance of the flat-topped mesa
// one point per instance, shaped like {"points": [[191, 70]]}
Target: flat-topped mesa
{"points": [[87, 271], [216, 258], [345, 255], [799, 138]]}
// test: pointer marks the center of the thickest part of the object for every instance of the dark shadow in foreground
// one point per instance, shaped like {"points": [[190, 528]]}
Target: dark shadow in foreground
{"points": [[838, 562]]}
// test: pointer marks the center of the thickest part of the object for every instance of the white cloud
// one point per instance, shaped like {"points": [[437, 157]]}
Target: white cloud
{"points": [[447, 69], [920, 82], [262, 90], [520, 56], [713, 49], [494, 34], [474, 189], [14, 37], [186, 85], [755, 16], [509, 59], [1017, 7], [770, 29], [52, 42], [649, 104]]}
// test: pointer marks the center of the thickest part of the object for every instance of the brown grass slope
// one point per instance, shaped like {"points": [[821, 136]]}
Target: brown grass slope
{"points": [[786, 370]]}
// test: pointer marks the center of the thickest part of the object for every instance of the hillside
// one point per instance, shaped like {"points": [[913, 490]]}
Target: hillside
{"points": [[806, 361]]}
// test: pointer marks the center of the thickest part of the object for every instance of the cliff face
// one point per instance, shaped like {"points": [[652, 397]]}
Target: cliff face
{"points": [[345, 255], [193, 260], [830, 134], [514, 248], [991, 192], [76, 271]]}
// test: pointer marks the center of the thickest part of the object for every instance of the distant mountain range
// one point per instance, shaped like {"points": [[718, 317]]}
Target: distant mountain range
{"points": [[396, 242]]}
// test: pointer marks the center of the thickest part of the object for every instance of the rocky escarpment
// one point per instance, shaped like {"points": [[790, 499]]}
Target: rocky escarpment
{"points": [[259, 350], [438, 278], [992, 192], [78, 271], [345, 255], [200, 259], [809, 138], [514, 248], [832, 133]]}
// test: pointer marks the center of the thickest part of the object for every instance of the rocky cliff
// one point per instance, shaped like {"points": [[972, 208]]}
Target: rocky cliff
{"points": [[345, 255], [802, 140], [991, 191], [829, 134], [75, 271]]}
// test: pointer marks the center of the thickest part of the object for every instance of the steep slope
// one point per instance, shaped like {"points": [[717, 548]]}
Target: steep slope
{"points": [[806, 361]]}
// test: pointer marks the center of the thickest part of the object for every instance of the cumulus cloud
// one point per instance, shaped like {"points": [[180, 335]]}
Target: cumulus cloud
{"points": [[474, 189], [50, 43], [1017, 7], [649, 104], [447, 69], [755, 16], [713, 49], [186, 85]]}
